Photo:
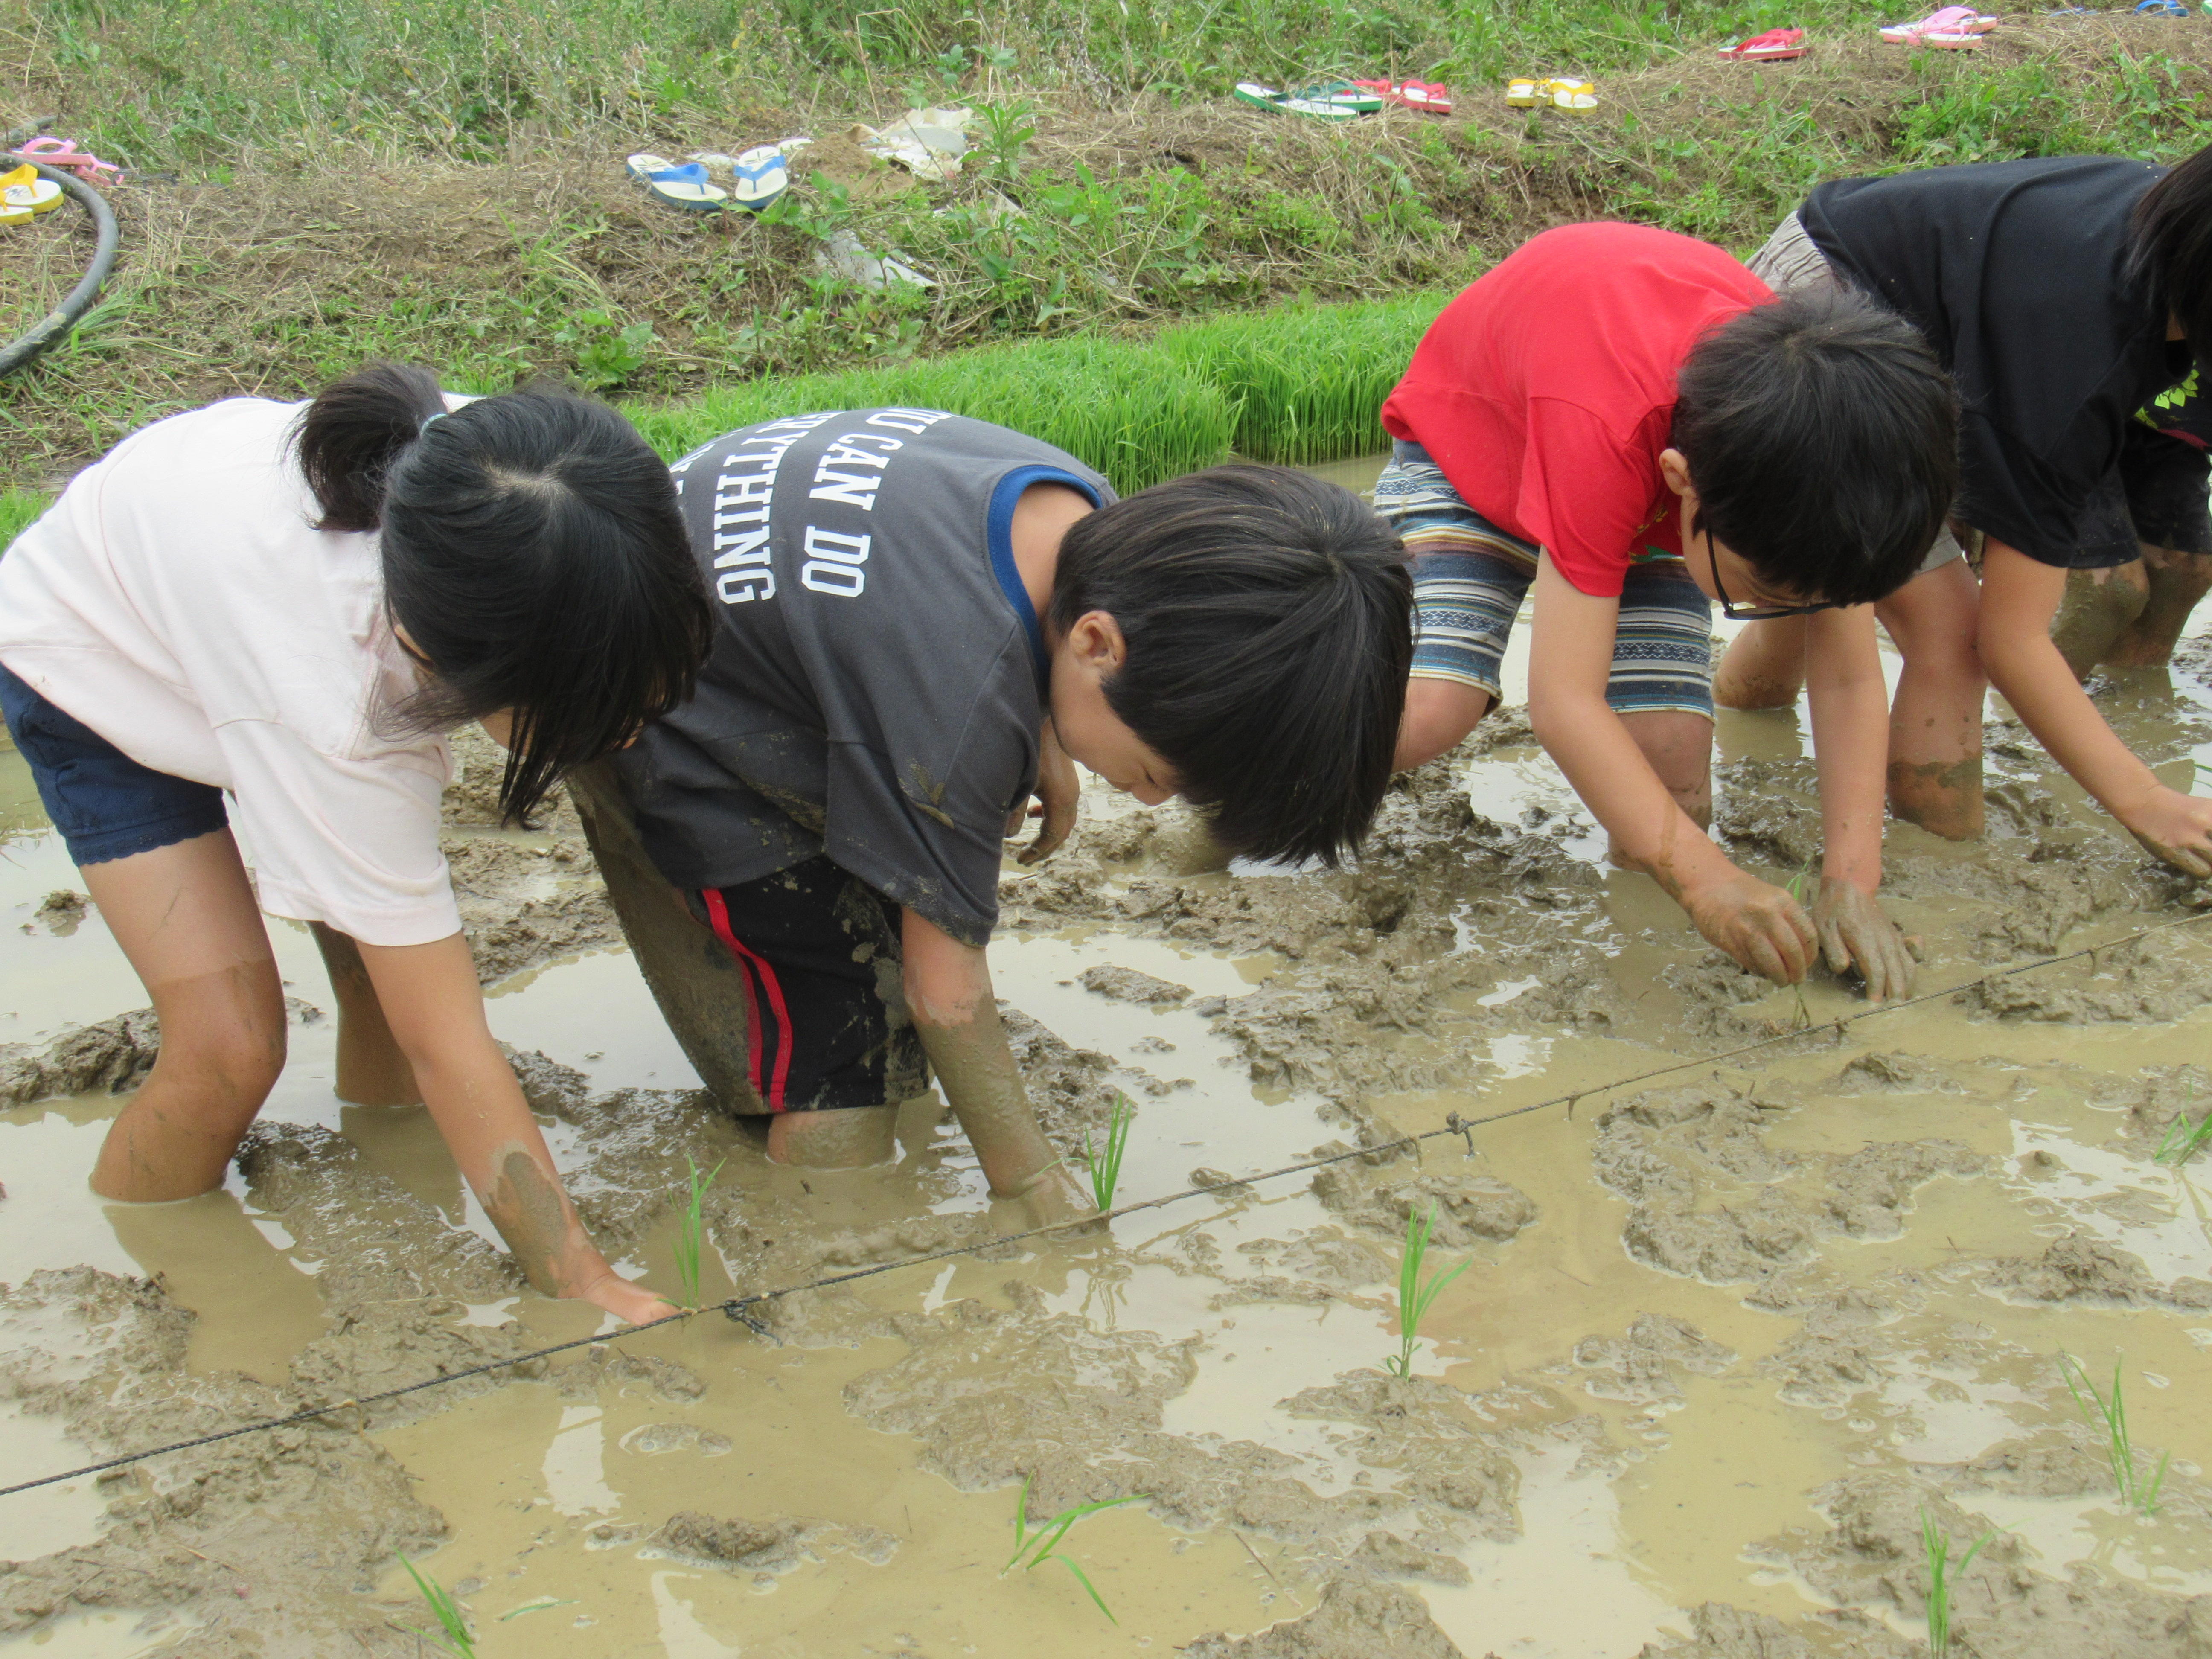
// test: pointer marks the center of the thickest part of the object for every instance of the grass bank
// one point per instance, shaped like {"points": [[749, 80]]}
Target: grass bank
{"points": [[441, 182]]}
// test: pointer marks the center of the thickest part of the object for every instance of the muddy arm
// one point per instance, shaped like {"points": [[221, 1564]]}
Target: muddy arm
{"points": [[430, 997], [1850, 744], [948, 990]]}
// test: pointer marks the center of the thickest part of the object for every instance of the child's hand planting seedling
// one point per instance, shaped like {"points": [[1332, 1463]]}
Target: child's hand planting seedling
{"points": [[2109, 1418], [1414, 1297], [691, 1231], [452, 1633], [1041, 1544], [1938, 1544], [1105, 1165]]}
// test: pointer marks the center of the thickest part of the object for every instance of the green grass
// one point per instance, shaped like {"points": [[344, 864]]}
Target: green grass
{"points": [[1415, 1298], [691, 1231], [1033, 1549], [452, 1632], [18, 508], [1132, 412], [1104, 1162], [1310, 379], [1936, 1543], [2107, 1417]]}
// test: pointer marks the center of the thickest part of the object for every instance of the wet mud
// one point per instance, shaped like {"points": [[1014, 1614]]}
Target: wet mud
{"points": [[1723, 1343]]}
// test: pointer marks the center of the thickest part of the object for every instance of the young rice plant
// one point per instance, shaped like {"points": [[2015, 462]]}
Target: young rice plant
{"points": [[1043, 1544], [2108, 1417], [691, 1231], [2183, 1138], [1105, 1163], [1938, 1544], [452, 1632], [1414, 1297]]}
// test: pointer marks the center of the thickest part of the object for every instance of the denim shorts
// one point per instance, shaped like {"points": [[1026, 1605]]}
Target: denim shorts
{"points": [[106, 805], [1470, 576]]}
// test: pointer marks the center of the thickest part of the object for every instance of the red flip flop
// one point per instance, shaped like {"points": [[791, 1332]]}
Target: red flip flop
{"points": [[1430, 95], [1767, 47]]}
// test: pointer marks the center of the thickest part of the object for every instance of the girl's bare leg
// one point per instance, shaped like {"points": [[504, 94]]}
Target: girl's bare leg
{"points": [[2176, 582], [372, 1072], [2099, 608], [1936, 718], [186, 916], [1764, 666], [850, 1139]]}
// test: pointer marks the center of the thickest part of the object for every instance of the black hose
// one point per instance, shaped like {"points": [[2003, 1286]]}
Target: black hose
{"points": [[55, 326]]}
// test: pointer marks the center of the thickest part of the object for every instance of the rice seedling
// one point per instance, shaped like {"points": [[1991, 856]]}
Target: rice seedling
{"points": [[690, 1231], [1938, 1544], [1138, 415], [2108, 1417], [452, 1632], [1415, 1298], [2184, 1138], [1043, 1544], [1801, 885], [1310, 380], [1104, 1162]]}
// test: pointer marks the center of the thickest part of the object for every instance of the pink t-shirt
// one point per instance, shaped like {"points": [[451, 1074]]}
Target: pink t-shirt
{"points": [[177, 600]]}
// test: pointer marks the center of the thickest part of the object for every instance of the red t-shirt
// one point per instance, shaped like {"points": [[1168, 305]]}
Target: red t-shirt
{"points": [[1546, 391]]}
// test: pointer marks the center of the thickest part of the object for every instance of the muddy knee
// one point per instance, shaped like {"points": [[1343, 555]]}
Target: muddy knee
{"points": [[2100, 606]]}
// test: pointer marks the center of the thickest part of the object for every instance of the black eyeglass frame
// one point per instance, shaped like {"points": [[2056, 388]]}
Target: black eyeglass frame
{"points": [[1734, 612]]}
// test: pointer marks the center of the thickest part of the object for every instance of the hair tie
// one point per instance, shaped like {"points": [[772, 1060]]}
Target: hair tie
{"points": [[426, 419]]}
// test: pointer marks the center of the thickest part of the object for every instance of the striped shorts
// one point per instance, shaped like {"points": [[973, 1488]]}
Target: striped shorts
{"points": [[1469, 578]]}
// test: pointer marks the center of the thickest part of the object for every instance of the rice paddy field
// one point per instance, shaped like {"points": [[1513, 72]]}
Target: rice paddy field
{"points": [[1883, 1338]]}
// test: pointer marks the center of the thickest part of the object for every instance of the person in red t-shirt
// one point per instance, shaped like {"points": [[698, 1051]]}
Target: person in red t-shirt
{"points": [[1631, 422]]}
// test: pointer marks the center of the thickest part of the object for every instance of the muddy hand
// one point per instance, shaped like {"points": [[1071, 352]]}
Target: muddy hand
{"points": [[1764, 929], [624, 1300], [1052, 1195], [1058, 789], [1854, 930], [2175, 828]]}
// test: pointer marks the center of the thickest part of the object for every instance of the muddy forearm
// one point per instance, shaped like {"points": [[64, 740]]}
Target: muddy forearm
{"points": [[948, 991], [1851, 741]]}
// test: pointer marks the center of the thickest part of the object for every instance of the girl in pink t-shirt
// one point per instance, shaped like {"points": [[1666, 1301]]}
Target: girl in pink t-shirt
{"points": [[251, 623]]}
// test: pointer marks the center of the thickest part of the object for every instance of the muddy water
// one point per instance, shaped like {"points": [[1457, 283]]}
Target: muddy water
{"points": [[1720, 1344]]}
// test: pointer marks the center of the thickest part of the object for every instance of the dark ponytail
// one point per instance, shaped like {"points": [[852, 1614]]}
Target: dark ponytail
{"points": [[533, 555], [352, 431]]}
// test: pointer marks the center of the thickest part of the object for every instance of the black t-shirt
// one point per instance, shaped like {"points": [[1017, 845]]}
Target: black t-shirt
{"points": [[2016, 271], [877, 682]]}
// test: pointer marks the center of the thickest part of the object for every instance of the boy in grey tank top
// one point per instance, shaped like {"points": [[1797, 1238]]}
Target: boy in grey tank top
{"points": [[924, 620]]}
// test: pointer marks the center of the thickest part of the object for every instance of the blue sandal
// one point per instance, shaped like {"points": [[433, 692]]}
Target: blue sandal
{"points": [[683, 187], [2162, 9]]}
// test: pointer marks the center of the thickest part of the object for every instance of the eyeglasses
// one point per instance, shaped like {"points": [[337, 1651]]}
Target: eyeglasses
{"points": [[1735, 613]]}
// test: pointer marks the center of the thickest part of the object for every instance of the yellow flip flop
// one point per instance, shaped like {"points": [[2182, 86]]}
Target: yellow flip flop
{"points": [[1523, 92], [23, 193], [1577, 95]]}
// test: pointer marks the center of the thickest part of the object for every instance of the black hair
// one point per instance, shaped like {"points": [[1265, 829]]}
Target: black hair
{"points": [[2170, 249], [1268, 622], [533, 553], [1822, 435]]}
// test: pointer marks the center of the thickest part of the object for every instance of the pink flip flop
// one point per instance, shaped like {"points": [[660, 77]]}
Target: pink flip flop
{"points": [[1428, 95], [63, 152], [1767, 47], [1954, 29]]}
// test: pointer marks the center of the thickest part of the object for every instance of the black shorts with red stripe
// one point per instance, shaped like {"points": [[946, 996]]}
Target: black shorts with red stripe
{"points": [[819, 952]]}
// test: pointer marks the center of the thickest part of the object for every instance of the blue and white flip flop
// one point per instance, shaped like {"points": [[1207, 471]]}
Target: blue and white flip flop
{"points": [[2162, 9], [761, 175], [675, 186]]}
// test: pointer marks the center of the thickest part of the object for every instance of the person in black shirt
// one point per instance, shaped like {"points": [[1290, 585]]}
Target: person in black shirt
{"points": [[2067, 296], [922, 621]]}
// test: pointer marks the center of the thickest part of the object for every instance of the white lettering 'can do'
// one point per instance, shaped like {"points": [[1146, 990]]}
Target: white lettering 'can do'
{"points": [[834, 561]]}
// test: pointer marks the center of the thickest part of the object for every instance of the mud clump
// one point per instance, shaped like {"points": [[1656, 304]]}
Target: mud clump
{"points": [[60, 911], [2089, 1272], [1127, 984], [2129, 983], [1356, 1620], [1640, 1367], [1469, 1210], [774, 1547]]}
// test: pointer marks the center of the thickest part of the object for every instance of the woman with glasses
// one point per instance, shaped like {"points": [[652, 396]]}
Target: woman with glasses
{"points": [[1630, 423], [2065, 295]]}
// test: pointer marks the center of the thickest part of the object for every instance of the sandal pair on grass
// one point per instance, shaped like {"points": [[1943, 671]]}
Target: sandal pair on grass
{"points": [[757, 178], [1524, 92], [1346, 101], [1954, 29], [24, 195]]}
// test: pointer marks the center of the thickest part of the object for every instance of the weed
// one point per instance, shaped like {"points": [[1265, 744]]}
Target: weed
{"points": [[2109, 1416], [1105, 1163], [452, 1633], [1414, 1297], [690, 1230], [1938, 1544], [1003, 145], [606, 353], [2183, 1138], [1043, 1544]]}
